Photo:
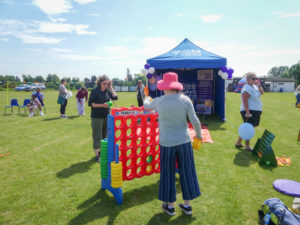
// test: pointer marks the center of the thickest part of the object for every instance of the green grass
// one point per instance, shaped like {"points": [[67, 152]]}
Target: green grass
{"points": [[50, 176]]}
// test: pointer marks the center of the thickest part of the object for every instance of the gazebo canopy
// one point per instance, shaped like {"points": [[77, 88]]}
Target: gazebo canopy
{"points": [[187, 55]]}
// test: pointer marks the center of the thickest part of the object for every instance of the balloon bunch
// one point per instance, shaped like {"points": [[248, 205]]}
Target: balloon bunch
{"points": [[226, 72], [148, 71]]}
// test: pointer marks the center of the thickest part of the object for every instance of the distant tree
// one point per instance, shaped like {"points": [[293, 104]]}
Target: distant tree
{"points": [[93, 79], [128, 75], [52, 78], [138, 77], [294, 72], [68, 79], [278, 71], [75, 79], [17, 79], [39, 79], [27, 78]]}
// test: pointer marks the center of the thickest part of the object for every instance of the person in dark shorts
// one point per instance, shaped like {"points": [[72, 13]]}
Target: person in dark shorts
{"points": [[251, 106], [98, 100]]}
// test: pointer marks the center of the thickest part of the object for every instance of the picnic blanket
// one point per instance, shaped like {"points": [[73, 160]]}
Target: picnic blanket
{"points": [[206, 138]]}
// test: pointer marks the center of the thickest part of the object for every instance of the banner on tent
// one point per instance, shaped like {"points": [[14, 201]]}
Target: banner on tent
{"points": [[205, 89]]}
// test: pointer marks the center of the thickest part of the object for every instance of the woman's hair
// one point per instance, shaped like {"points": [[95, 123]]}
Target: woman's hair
{"points": [[62, 81], [175, 90], [250, 75], [82, 89], [101, 79], [33, 96]]}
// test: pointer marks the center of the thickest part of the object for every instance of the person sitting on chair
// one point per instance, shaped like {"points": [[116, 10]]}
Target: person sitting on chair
{"points": [[33, 105], [40, 97]]}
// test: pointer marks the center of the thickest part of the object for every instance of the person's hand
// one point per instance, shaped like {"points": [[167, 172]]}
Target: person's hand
{"points": [[105, 105], [197, 143], [109, 84], [257, 82], [248, 115], [81, 103]]}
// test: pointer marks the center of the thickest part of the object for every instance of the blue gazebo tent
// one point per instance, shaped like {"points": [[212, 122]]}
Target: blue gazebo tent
{"points": [[197, 69]]}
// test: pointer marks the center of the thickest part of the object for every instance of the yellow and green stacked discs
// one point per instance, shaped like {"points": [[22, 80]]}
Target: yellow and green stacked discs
{"points": [[103, 159]]}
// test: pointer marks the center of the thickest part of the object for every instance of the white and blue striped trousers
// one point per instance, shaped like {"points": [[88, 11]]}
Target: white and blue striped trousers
{"points": [[183, 154]]}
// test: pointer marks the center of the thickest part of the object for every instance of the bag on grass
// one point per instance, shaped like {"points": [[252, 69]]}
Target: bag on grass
{"points": [[60, 100], [275, 212]]}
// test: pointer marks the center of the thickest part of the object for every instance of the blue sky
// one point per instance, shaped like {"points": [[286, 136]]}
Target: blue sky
{"points": [[93, 37]]}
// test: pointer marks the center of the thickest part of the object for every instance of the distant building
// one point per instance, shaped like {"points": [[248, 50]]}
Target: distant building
{"points": [[281, 84]]}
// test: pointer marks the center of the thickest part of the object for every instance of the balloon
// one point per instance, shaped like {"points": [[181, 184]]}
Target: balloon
{"points": [[229, 76], [224, 69], [230, 71], [220, 72], [146, 66], [151, 70], [246, 131], [144, 71], [224, 76], [149, 75]]}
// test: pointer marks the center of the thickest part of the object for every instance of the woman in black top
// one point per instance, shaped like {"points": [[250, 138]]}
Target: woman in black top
{"points": [[100, 109]]}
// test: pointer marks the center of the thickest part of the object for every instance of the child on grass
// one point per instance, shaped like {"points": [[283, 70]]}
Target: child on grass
{"points": [[175, 144]]}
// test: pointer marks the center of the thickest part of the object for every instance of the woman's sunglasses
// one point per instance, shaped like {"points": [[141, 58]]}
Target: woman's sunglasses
{"points": [[105, 83], [254, 78]]}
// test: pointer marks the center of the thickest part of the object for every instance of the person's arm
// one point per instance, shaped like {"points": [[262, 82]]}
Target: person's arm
{"points": [[260, 89], [245, 97], [77, 95], [193, 118], [104, 105], [111, 89], [42, 97], [150, 103]]}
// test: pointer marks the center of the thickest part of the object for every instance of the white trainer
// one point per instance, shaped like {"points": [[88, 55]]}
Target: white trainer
{"points": [[31, 115], [41, 113]]}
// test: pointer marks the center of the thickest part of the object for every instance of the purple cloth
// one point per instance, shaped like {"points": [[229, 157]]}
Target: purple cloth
{"points": [[288, 187]]}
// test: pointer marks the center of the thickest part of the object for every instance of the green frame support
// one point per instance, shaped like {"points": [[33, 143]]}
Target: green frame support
{"points": [[264, 151]]}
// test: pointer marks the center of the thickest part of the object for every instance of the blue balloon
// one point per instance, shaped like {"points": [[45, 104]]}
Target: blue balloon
{"points": [[146, 66], [246, 131], [224, 69]]}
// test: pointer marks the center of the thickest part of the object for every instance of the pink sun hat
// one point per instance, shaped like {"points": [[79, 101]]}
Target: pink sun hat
{"points": [[169, 81]]}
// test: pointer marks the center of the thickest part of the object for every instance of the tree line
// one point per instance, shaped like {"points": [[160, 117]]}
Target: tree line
{"points": [[53, 81], [286, 72]]}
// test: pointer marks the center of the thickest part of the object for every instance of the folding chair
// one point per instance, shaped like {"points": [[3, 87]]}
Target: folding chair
{"points": [[13, 102], [24, 106]]}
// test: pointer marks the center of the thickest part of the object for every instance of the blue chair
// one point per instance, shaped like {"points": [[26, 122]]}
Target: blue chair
{"points": [[24, 106], [13, 102]]}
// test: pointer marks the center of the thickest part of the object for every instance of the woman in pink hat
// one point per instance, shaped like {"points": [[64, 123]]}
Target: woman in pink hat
{"points": [[175, 144]]}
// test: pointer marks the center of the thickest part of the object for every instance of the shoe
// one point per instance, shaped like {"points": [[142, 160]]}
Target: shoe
{"points": [[31, 115], [165, 207], [97, 158], [63, 117], [249, 149], [41, 113], [239, 146], [186, 210]]}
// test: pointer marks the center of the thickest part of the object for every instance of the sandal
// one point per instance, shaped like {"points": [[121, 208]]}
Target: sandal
{"points": [[239, 146]]}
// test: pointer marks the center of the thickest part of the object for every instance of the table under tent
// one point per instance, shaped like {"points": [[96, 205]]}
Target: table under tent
{"points": [[197, 70]]}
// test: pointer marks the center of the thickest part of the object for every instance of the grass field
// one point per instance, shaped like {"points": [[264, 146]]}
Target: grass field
{"points": [[50, 176]]}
